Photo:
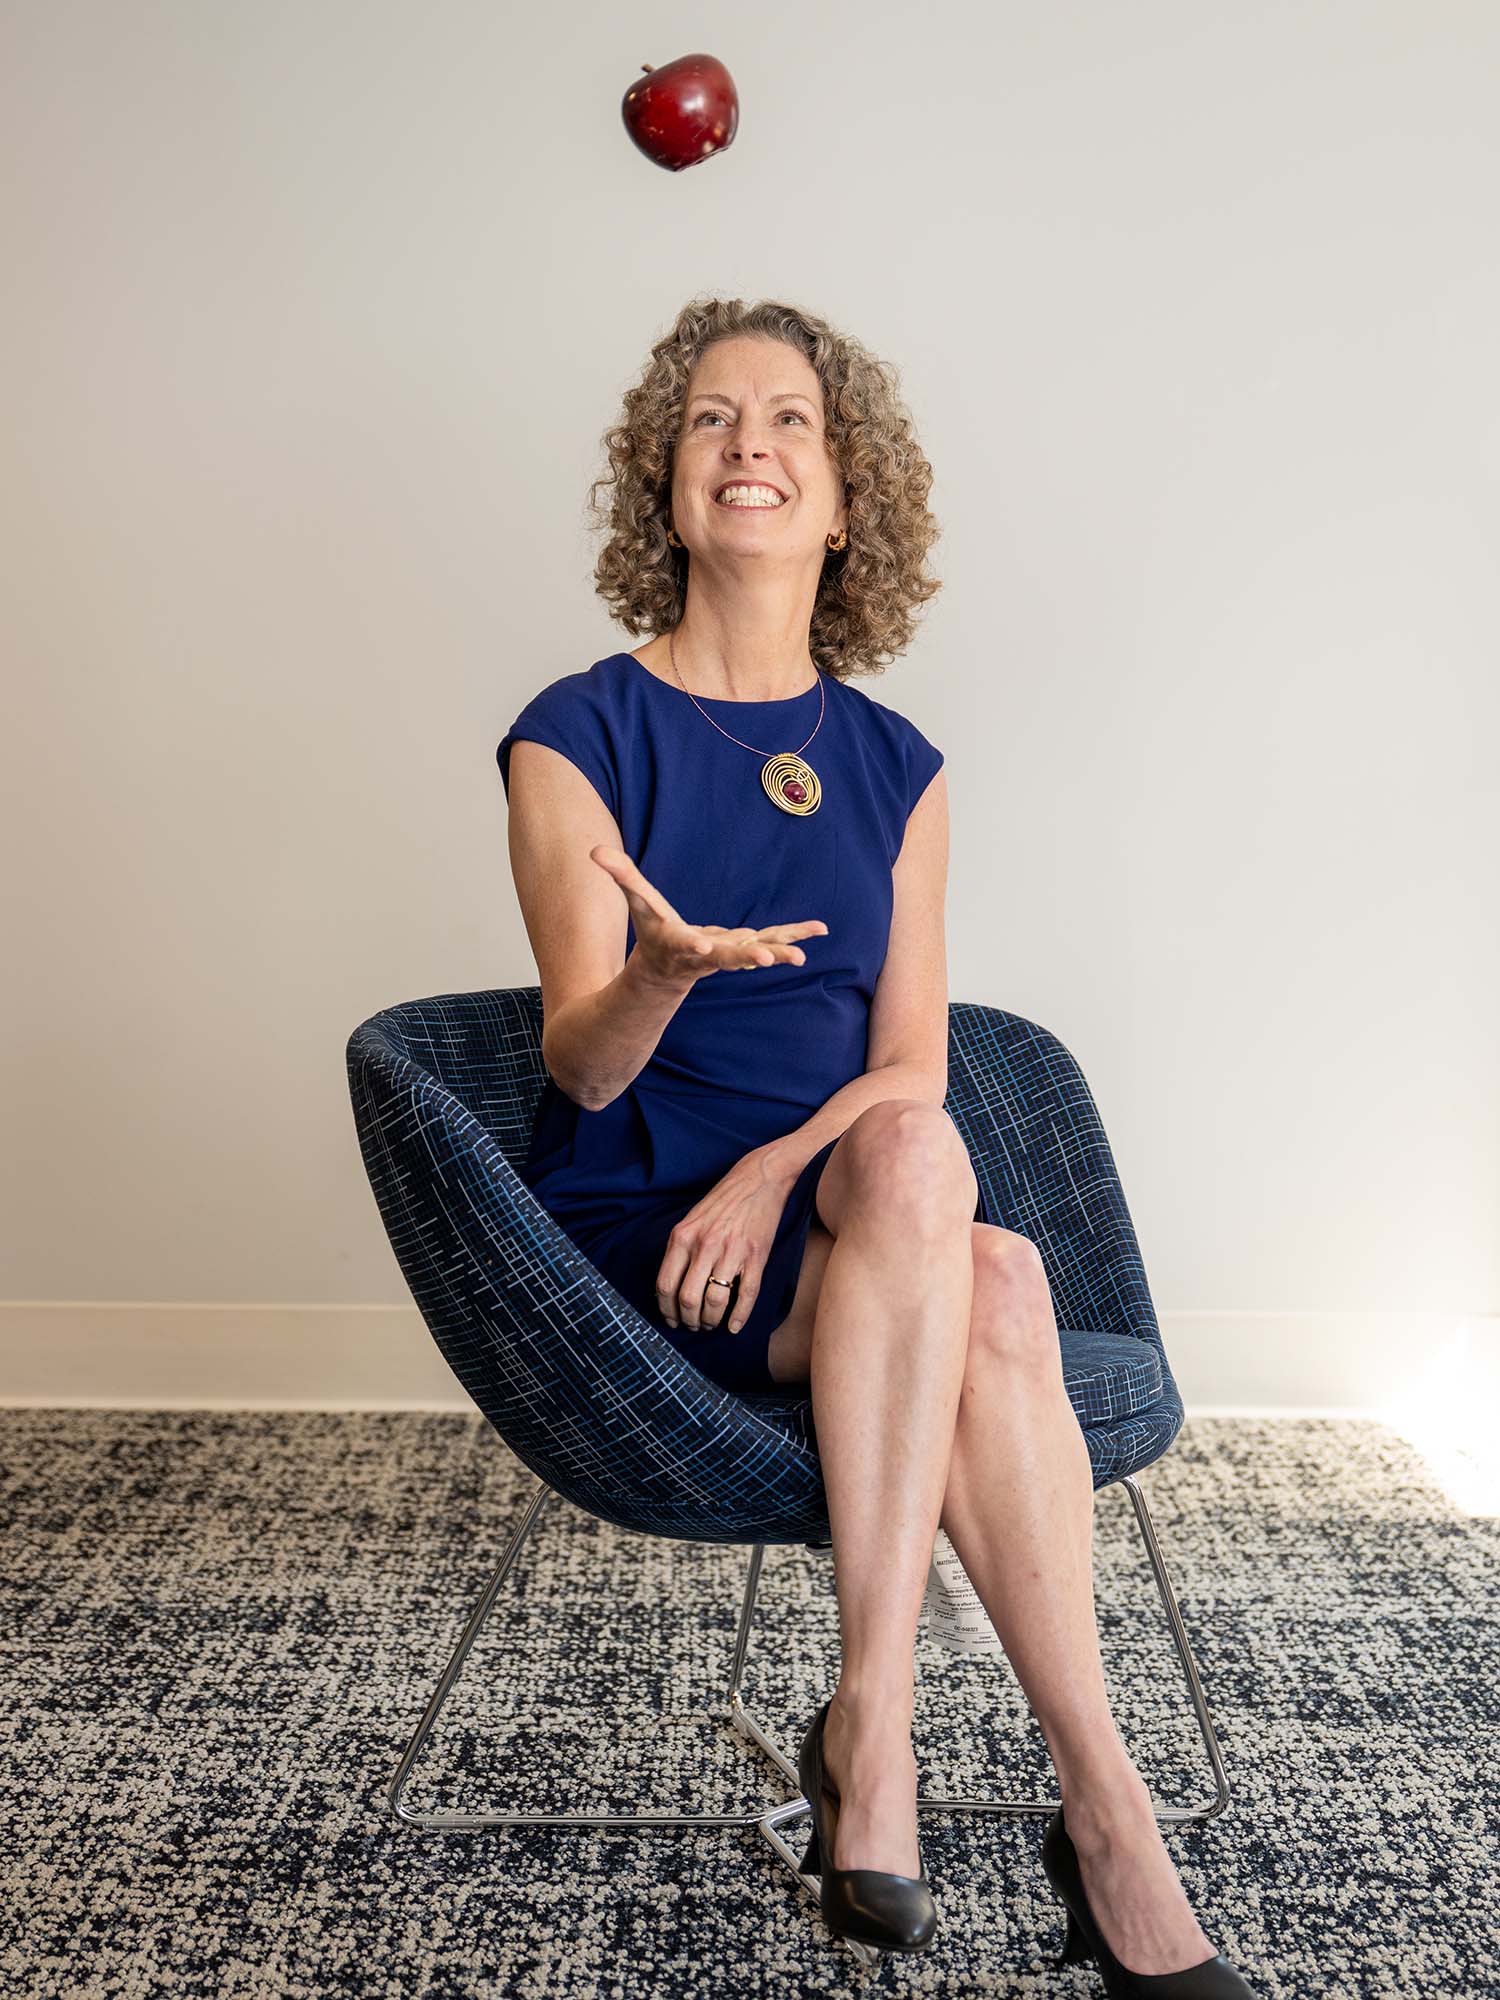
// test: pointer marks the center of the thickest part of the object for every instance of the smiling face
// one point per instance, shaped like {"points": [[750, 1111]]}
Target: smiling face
{"points": [[752, 429]]}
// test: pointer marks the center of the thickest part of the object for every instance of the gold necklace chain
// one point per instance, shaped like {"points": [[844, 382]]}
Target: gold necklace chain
{"points": [[788, 781], [672, 654]]}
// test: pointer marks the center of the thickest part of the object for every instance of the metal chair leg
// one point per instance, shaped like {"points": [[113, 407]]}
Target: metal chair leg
{"points": [[742, 1721], [1180, 1814], [771, 1819]]}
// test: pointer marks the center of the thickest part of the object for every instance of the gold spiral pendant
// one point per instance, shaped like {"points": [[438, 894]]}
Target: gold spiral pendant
{"points": [[792, 784]]}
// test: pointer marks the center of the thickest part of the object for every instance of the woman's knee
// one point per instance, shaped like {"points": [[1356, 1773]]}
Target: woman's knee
{"points": [[906, 1160], [1011, 1321]]}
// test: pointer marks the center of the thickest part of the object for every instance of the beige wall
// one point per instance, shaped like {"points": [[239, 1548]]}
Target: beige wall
{"points": [[315, 316]]}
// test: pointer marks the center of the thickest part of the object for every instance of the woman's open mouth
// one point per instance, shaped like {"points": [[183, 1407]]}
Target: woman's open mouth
{"points": [[749, 497]]}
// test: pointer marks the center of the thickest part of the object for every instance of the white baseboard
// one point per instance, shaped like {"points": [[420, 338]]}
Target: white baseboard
{"points": [[222, 1357], [178, 1356]]}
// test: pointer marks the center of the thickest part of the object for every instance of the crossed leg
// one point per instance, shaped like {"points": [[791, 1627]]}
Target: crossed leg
{"points": [[931, 1347]]}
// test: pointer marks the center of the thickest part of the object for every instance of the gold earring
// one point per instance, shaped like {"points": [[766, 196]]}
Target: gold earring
{"points": [[672, 538], [842, 542]]}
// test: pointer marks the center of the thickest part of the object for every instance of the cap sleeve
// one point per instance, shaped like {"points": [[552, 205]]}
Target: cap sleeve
{"points": [[923, 762], [568, 717]]}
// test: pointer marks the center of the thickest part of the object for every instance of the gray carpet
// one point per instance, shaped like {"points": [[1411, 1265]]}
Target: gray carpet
{"points": [[222, 1628]]}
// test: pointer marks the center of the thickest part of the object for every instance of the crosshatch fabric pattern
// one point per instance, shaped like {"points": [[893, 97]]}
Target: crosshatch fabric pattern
{"points": [[592, 1397]]}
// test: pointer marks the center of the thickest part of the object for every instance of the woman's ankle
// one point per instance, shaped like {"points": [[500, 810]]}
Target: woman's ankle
{"points": [[1104, 1799], [872, 1711], [869, 1734]]}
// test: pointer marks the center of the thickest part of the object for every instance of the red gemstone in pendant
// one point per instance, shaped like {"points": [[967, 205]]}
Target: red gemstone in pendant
{"points": [[795, 790]]}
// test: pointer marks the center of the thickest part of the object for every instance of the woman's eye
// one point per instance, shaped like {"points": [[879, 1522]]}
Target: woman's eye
{"points": [[719, 413]]}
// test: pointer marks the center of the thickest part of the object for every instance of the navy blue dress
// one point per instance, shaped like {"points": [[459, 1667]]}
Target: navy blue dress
{"points": [[749, 1055]]}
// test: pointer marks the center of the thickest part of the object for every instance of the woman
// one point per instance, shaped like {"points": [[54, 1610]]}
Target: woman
{"points": [[763, 1164]]}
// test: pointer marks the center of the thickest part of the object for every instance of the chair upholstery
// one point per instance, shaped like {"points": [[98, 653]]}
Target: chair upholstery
{"points": [[591, 1396]]}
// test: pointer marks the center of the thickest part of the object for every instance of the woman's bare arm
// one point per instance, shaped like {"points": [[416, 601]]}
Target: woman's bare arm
{"points": [[602, 1014]]}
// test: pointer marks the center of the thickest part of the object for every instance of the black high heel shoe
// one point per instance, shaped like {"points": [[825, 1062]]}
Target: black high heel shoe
{"points": [[892, 1912], [1211, 1979]]}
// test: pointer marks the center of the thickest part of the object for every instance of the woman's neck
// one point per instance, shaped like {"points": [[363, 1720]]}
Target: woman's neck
{"points": [[730, 669]]}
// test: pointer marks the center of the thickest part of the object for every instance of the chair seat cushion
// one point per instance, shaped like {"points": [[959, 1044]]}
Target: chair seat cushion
{"points": [[1108, 1376]]}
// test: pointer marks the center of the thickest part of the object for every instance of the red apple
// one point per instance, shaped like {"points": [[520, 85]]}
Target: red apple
{"points": [[683, 113]]}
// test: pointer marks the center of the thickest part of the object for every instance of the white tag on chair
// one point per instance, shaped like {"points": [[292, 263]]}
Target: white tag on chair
{"points": [[952, 1614]]}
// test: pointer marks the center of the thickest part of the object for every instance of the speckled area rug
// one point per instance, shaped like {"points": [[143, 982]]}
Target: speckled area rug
{"points": [[221, 1630]]}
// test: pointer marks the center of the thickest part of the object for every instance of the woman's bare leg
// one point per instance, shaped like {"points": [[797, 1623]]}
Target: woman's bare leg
{"points": [[890, 1337], [1019, 1511]]}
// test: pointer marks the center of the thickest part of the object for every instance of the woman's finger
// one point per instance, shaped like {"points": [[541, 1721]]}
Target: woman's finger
{"points": [[686, 1297], [744, 949], [746, 1294], [703, 1301], [642, 896], [669, 1279], [785, 933], [775, 944]]}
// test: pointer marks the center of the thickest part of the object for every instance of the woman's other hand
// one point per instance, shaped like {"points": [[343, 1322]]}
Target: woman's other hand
{"points": [[729, 1231]]}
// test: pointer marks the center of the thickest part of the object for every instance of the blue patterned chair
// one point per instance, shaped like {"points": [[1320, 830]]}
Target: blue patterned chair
{"points": [[606, 1413]]}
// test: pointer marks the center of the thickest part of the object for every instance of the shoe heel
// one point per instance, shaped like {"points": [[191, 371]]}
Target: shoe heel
{"points": [[812, 1861], [1076, 1948]]}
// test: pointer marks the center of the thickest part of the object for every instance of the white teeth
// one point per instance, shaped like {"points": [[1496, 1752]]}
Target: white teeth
{"points": [[750, 496]]}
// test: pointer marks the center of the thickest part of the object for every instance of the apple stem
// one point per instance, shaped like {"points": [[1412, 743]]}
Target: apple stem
{"points": [[647, 68]]}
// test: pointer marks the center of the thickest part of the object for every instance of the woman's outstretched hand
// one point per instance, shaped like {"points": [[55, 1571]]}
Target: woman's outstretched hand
{"points": [[729, 1232], [672, 949]]}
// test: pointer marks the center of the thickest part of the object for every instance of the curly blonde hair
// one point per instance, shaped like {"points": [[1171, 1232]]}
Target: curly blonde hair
{"points": [[869, 591]]}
